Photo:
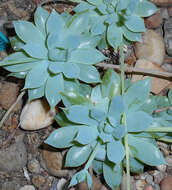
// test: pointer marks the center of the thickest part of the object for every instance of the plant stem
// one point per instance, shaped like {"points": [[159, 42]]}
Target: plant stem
{"points": [[124, 122], [165, 140], [160, 129], [92, 156]]}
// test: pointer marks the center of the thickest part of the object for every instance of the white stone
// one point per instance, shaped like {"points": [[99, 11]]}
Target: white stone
{"points": [[27, 187]]}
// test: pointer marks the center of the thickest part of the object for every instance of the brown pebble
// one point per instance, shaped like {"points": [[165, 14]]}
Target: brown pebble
{"points": [[38, 181], [166, 183], [148, 188]]}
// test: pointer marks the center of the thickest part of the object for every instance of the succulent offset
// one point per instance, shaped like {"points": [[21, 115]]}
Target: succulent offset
{"points": [[51, 52]]}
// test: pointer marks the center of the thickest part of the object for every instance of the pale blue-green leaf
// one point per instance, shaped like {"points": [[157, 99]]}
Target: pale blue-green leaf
{"points": [[135, 24], [86, 134], [83, 6], [78, 178], [132, 36], [16, 58], [88, 41], [135, 165], [77, 155], [71, 70], [122, 4], [58, 55], [115, 151], [114, 35], [145, 150], [102, 105], [108, 128], [112, 18], [89, 180], [96, 95], [36, 50], [138, 121], [71, 41], [40, 18], [37, 76], [110, 84], [95, 2], [21, 67], [102, 8], [170, 96], [55, 40], [103, 42], [83, 112], [97, 166], [62, 137], [56, 67], [66, 16], [101, 153], [54, 23], [145, 8], [98, 28], [36, 93], [98, 114], [28, 32], [138, 92], [112, 174], [91, 76], [119, 132], [16, 43], [149, 105], [20, 75], [87, 56], [105, 137], [54, 85]]}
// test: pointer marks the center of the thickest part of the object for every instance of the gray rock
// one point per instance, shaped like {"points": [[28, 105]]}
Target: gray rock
{"points": [[156, 187], [14, 157], [124, 184], [34, 166], [168, 36], [27, 187], [149, 179], [164, 13], [10, 185]]}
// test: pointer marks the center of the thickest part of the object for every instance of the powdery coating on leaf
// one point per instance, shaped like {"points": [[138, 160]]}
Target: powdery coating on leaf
{"points": [[36, 115], [152, 48]]}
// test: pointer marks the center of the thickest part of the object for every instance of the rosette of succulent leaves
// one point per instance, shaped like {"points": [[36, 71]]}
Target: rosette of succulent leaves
{"points": [[51, 52], [116, 20], [91, 126]]}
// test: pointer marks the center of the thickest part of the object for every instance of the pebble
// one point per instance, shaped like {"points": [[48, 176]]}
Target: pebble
{"points": [[52, 161], [156, 187], [170, 11], [158, 176], [152, 48], [10, 185], [161, 168], [164, 13], [36, 115], [154, 21], [169, 160], [168, 36], [14, 156], [149, 179], [27, 187], [149, 187], [166, 183], [123, 185], [38, 181], [140, 184], [162, 3], [34, 166], [8, 94]]}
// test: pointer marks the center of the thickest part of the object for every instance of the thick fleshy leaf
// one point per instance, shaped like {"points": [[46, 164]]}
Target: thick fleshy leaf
{"points": [[114, 35], [36, 50], [98, 114], [83, 6], [110, 84], [16, 58], [135, 24], [78, 178], [58, 55], [16, 43], [54, 85], [149, 105], [96, 95], [55, 40], [101, 153], [71, 70], [36, 93], [112, 174], [56, 67], [145, 8], [40, 18], [28, 32], [97, 166], [91, 76], [77, 155], [62, 137], [86, 134], [37, 76], [71, 41], [106, 137], [54, 23], [98, 28], [95, 2], [145, 150], [170, 96], [115, 151], [132, 36], [138, 121], [119, 132], [122, 4], [87, 56], [83, 112], [138, 92], [20, 75], [89, 180], [87, 41]]}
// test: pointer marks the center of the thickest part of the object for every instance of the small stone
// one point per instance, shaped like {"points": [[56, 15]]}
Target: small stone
{"points": [[164, 13], [36, 115], [38, 181], [27, 187], [156, 187], [162, 3], [8, 94], [149, 187], [166, 183], [61, 183], [161, 168], [169, 160], [149, 179], [152, 48], [170, 11], [52, 161], [123, 185], [140, 184], [167, 67], [34, 166], [168, 36], [158, 176], [14, 156], [154, 21]]}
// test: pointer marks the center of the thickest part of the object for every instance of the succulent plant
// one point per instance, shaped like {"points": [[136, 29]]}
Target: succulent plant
{"points": [[94, 132], [50, 52], [116, 20]]}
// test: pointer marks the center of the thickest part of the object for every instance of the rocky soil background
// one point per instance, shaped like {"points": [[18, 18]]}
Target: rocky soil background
{"points": [[26, 163]]}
